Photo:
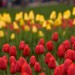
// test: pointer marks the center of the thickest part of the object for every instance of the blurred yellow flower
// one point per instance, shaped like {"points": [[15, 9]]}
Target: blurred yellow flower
{"points": [[67, 14], [37, 18], [12, 37], [64, 33], [51, 22], [58, 22], [48, 27], [73, 12], [34, 29], [41, 34], [44, 24], [26, 28], [26, 17], [15, 25], [32, 21], [19, 16], [60, 15], [2, 24], [1, 34], [53, 15], [22, 22], [31, 15]]}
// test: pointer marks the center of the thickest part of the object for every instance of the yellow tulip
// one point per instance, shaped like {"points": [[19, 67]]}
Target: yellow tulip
{"points": [[15, 25], [19, 16], [58, 22], [31, 15], [41, 34], [2, 24], [48, 27], [67, 14], [1, 34], [41, 19], [12, 37], [26, 17], [26, 28], [53, 15], [34, 29], [44, 24], [51, 22], [37, 17], [74, 22], [60, 15], [22, 22], [73, 12]]}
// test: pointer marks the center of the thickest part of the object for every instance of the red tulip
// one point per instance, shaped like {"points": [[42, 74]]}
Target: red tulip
{"points": [[61, 51], [37, 67], [6, 48], [52, 63], [72, 39], [12, 60], [21, 45], [39, 49], [57, 71], [32, 60], [3, 64], [6, 59], [24, 73], [13, 51], [26, 69], [41, 42], [26, 51], [73, 45], [49, 46], [55, 36], [66, 44], [13, 68], [70, 54], [71, 70], [67, 64], [42, 73], [47, 57]]}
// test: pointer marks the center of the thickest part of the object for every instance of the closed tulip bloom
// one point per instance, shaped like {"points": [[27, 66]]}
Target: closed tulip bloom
{"points": [[3, 64], [32, 60], [26, 69], [57, 71], [72, 39], [6, 59], [67, 64], [71, 70], [24, 73], [39, 49], [12, 59], [47, 57], [13, 51], [21, 45], [70, 54], [73, 45], [42, 73], [61, 51], [6, 48], [55, 36], [52, 63], [13, 68], [37, 67], [41, 42], [49, 46], [66, 44], [26, 51]]}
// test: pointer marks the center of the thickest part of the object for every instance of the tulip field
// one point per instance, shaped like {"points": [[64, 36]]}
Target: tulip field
{"points": [[33, 44]]}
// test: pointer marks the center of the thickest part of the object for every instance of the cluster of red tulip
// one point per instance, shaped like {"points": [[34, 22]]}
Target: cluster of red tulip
{"points": [[47, 59]]}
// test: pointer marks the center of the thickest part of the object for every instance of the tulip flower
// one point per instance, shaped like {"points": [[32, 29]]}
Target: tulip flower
{"points": [[72, 39]]}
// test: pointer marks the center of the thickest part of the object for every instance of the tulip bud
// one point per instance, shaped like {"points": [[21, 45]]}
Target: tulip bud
{"points": [[42, 73], [37, 67], [55, 36], [72, 39], [6, 59], [49, 46]]}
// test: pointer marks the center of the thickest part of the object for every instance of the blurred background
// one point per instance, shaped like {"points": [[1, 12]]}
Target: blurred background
{"points": [[10, 3]]}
